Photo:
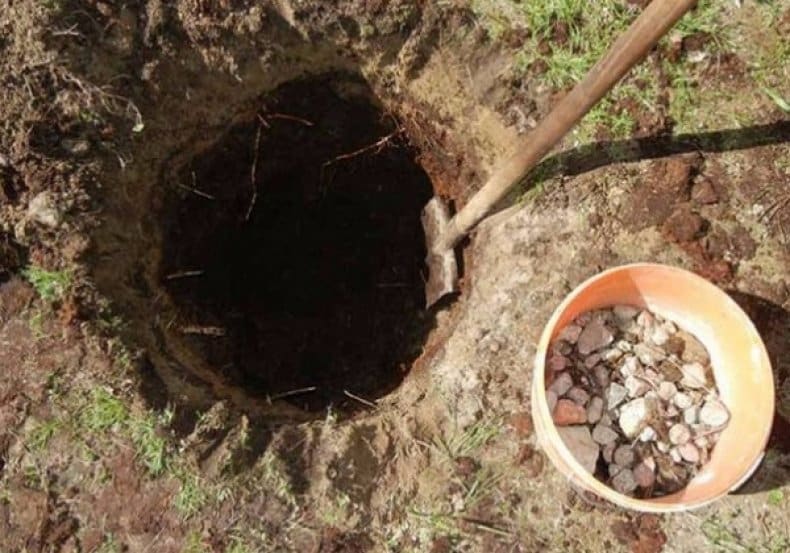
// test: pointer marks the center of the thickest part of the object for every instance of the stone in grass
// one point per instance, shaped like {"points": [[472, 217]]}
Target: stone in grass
{"points": [[603, 434], [568, 412], [694, 376], [561, 384], [689, 452], [667, 390], [594, 337], [615, 395], [624, 482], [578, 395], [644, 476], [679, 434], [636, 414], [581, 445], [594, 410], [570, 333], [714, 413], [624, 456], [636, 386]]}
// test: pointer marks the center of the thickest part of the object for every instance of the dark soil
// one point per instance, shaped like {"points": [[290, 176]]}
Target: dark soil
{"points": [[310, 284]]}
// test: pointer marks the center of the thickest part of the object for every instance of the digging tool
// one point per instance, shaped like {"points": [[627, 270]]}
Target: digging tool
{"points": [[442, 233]]}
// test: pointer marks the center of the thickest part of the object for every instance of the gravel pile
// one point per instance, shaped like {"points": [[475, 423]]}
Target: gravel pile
{"points": [[634, 400]]}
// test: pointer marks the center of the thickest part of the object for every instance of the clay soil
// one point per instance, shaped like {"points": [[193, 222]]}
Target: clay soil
{"points": [[212, 332]]}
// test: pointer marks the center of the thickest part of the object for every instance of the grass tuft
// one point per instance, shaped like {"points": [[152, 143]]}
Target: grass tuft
{"points": [[50, 285]]}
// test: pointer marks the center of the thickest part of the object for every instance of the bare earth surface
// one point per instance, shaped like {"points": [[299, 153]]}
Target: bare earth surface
{"points": [[127, 420]]}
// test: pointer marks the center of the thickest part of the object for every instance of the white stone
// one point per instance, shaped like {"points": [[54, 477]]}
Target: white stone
{"points": [[630, 366], [649, 355], [694, 375], [663, 447], [615, 395], [561, 384], [682, 401], [645, 319], [636, 387], [659, 336], [43, 209], [689, 453], [647, 434], [611, 355], [667, 390], [691, 415], [635, 415], [714, 413], [679, 434], [675, 455]]}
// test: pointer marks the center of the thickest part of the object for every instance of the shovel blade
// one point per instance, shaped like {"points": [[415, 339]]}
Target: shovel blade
{"points": [[442, 267]]}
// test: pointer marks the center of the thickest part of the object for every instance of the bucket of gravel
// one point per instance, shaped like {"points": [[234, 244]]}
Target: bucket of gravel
{"points": [[741, 384]]}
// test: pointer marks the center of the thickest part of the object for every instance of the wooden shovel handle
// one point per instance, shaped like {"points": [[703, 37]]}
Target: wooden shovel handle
{"points": [[627, 51]]}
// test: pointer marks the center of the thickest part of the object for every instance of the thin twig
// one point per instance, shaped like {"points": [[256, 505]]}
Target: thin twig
{"points": [[362, 400], [378, 145], [290, 393], [253, 174], [196, 191], [184, 274], [289, 118], [203, 330]]}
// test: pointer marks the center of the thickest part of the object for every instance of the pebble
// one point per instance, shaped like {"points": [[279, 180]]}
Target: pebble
{"points": [[551, 399], [613, 469], [561, 384], [625, 312], [635, 415], [691, 415], [594, 337], [570, 333], [607, 452], [624, 481], [694, 375], [601, 376], [611, 355], [675, 346], [557, 363], [649, 355], [636, 387], [644, 476], [663, 447], [581, 445], [682, 401], [675, 455], [693, 350], [630, 366], [594, 410], [567, 412], [659, 336], [76, 147], [603, 434], [591, 360], [645, 319], [624, 346], [714, 413], [43, 209], [578, 395], [648, 434], [667, 390], [689, 453], [615, 395], [671, 411], [624, 456], [679, 434]]}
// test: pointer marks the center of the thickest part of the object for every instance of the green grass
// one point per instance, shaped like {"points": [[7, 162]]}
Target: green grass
{"points": [[104, 411], [50, 285], [723, 539], [469, 441], [42, 434], [192, 495], [151, 447]]}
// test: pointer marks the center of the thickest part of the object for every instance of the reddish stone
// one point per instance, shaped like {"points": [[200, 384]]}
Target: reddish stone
{"points": [[683, 225], [704, 193], [522, 424], [567, 412]]}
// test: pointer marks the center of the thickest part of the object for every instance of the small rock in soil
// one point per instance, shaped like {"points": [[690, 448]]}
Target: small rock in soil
{"points": [[648, 434], [603, 434], [580, 443], [601, 375], [679, 434], [682, 401], [636, 387], [44, 209], [561, 384], [594, 410], [704, 192], [714, 413], [667, 390], [594, 337], [557, 363], [567, 413], [522, 424], [624, 482]]}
